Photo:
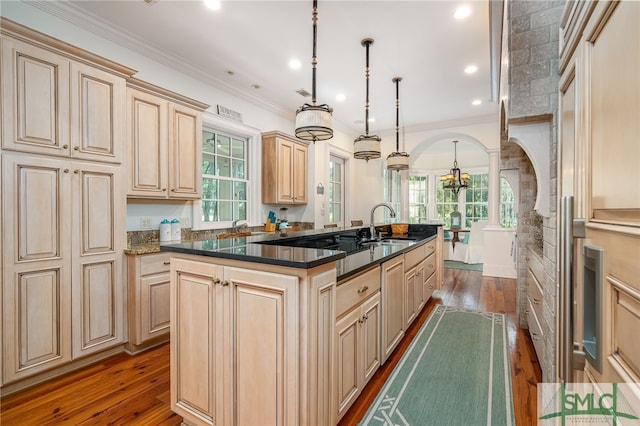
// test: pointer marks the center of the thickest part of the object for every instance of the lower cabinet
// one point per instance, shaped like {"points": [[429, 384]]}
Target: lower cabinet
{"points": [[148, 300], [357, 336], [238, 353], [392, 296]]}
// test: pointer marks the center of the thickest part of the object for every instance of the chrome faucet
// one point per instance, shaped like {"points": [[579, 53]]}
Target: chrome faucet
{"points": [[372, 228], [235, 227]]}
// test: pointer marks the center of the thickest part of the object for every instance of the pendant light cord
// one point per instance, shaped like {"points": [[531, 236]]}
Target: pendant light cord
{"points": [[366, 43], [314, 59]]}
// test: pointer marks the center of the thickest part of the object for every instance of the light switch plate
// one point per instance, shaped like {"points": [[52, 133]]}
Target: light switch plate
{"points": [[185, 222], [145, 223]]}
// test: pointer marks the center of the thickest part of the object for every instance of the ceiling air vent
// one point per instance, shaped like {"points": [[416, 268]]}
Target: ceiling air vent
{"points": [[303, 92]]}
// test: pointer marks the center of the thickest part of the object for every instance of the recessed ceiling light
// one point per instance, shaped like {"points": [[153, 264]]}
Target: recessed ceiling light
{"points": [[295, 64], [462, 12], [470, 69], [213, 4], [476, 102], [340, 97]]}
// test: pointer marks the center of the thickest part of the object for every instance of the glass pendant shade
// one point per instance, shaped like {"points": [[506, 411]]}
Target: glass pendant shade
{"points": [[366, 147], [398, 160], [313, 122]]}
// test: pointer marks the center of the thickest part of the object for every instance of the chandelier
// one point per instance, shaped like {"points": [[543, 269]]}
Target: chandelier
{"points": [[455, 180], [398, 160], [366, 147], [313, 122]]}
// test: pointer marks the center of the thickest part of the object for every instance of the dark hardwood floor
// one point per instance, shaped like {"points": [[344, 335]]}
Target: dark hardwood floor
{"points": [[134, 390]]}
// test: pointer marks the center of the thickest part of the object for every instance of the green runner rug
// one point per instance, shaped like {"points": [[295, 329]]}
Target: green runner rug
{"points": [[455, 372]]}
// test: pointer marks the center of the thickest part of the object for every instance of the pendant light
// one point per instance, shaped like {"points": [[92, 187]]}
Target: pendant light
{"points": [[313, 122], [366, 147], [398, 160], [455, 179]]}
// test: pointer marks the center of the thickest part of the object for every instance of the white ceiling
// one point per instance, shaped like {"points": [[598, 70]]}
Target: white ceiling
{"points": [[417, 40]]}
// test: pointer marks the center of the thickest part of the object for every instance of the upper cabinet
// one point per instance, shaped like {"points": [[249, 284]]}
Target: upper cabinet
{"points": [[284, 169], [165, 143], [57, 104]]}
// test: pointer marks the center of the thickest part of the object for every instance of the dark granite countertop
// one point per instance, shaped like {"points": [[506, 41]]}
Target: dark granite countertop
{"points": [[249, 249]]}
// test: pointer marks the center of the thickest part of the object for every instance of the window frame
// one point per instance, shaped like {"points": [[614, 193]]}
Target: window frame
{"points": [[214, 123]]}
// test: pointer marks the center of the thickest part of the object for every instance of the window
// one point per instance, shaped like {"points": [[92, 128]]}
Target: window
{"points": [[418, 196], [477, 199], [336, 189], [224, 177], [508, 217], [446, 202], [391, 192]]}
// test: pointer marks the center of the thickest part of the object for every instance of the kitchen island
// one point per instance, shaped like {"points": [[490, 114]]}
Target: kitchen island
{"points": [[253, 321]]}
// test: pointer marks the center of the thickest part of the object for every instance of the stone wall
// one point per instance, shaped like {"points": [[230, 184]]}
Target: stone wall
{"points": [[533, 34]]}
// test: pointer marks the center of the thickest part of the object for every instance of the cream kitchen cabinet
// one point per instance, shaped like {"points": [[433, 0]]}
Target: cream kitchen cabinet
{"points": [[413, 285], [284, 169], [54, 104], [63, 237], [148, 297], [165, 143], [358, 336], [392, 298], [249, 346]]}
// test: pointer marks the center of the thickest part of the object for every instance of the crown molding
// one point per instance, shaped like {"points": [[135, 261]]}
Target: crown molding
{"points": [[98, 26]]}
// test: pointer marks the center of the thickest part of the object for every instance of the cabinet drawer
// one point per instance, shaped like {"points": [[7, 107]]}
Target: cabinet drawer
{"points": [[413, 257], [535, 265], [430, 247], [154, 263], [430, 265], [356, 290], [537, 336], [535, 293]]}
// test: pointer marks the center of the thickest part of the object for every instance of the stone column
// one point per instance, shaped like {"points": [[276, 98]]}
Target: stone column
{"points": [[494, 189]]}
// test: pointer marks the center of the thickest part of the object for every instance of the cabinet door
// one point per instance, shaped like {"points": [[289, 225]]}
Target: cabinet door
{"points": [[98, 106], [36, 273], [300, 160], [419, 293], [98, 285], [429, 285], [370, 341], [148, 145], [199, 374], [264, 312], [392, 299], [35, 99], [154, 307], [349, 361], [185, 153], [409, 294], [285, 171]]}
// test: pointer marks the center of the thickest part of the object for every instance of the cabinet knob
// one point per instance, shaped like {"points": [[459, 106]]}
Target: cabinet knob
{"points": [[166, 262], [66, 170], [164, 189], [173, 190], [536, 301], [535, 336], [363, 289], [216, 281], [76, 148], [65, 146], [365, 317], [225, 283], [76, 171]]}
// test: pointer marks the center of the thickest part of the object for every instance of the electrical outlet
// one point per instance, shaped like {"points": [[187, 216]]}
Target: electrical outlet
{"points": [[184, 222], [145, 223]]}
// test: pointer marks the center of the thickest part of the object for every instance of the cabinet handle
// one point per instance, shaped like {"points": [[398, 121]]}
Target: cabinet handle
{"points": [[166, 262], [360, 321], [363, 289], [526, 312], [65, 146], [66, 170], [76, 148], [76, 171], [431, 265], [164, 189], [365, 317], [535, 336], [225, 283], [173, 190], [536, 301], [216, 281]]}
